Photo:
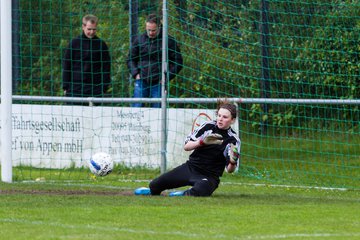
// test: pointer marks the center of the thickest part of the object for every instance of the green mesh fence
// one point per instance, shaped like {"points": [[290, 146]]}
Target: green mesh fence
{"points": [[305, 49]]}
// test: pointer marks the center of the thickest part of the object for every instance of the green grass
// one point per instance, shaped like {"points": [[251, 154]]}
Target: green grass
{"points": [[103, 208], [285, 189]]}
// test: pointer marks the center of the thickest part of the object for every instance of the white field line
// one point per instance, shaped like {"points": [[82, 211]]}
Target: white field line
{"points": [[285, 186], [76, 183], [69, 182], [176, 233]]}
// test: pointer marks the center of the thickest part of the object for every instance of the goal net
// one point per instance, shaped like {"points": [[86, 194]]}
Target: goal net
{"points": [[267, 56]]}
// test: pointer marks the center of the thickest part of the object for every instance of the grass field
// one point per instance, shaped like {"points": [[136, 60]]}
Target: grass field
{"points": [[275, 195], [105, 208]]}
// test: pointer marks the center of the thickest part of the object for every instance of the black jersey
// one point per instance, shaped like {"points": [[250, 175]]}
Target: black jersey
{"points": [[210, 159]]}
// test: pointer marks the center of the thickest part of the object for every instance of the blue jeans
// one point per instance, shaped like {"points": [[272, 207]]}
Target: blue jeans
{"points": [[145, 90]]}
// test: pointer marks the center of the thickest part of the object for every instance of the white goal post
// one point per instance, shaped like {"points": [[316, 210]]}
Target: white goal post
{"points": [[6, 90]]}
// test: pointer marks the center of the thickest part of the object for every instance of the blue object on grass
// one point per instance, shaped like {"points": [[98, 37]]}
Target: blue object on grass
{"points": [[142, 191], [177, 194]]}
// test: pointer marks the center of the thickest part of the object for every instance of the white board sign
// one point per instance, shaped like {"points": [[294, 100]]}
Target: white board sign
{"points": [[53, 136]]}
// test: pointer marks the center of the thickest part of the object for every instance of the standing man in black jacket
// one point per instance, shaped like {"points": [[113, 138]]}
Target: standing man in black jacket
{"points": [[87, 63], [145, 60]]}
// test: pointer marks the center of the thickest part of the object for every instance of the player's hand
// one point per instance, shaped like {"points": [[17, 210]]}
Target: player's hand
{"points": [[232, 153], [212, 138]]}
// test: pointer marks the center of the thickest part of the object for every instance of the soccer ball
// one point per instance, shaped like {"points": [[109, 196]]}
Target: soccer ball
{"points": [[101, 164]]}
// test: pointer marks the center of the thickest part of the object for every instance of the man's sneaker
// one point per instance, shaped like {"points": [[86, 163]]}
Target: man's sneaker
{"points": [[142, 191], [177, 194]]}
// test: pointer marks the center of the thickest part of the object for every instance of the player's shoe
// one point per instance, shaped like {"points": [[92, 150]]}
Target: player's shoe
{"points": [[177, 194], [142, 191]]}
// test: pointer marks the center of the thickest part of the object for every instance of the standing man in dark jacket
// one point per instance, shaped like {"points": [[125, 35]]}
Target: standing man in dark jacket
{"points": [[87, 63], [145, 60]]}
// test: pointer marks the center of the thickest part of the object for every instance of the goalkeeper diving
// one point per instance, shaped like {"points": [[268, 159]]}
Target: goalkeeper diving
{"points": [[215, 146]]}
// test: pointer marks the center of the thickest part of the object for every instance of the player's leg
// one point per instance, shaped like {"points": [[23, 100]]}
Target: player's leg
{"points": [[155, 92], [140, 91], [177, 177], [202, 186]]}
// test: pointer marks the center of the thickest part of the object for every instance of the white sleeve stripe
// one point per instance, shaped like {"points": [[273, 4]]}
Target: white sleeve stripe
{"points": [[192, 135]]}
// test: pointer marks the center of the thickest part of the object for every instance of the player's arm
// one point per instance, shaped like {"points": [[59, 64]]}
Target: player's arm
{"points": [[67, 67], [231, 167], [232, 155], [191, 145], [106, 67], [175, 57], [133, 59], [205, 139]]}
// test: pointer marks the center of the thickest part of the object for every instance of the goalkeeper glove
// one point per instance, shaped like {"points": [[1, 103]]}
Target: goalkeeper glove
{"points": [[212, 138], [232, 153]]}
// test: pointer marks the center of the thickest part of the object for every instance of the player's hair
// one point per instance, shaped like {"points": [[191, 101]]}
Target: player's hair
{"points": [[153, 18], [224, 103], [90, 18]]}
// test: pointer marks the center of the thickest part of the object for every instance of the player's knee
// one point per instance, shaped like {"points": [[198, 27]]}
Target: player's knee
{"points": [[154, 187], [202, 189], [198, 192]]}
